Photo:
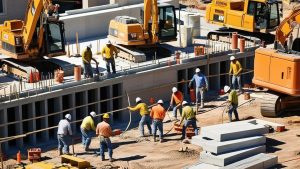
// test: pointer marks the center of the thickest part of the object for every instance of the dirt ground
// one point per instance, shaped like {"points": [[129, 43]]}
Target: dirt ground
{"points": [[131, 152]]}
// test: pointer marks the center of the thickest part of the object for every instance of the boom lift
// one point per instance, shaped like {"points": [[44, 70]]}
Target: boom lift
{"points": [[130, 34], [24, 43], [278, 69]]}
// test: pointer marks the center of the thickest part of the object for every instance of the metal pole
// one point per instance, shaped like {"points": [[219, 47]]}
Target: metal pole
{"points": [[179, 22]]}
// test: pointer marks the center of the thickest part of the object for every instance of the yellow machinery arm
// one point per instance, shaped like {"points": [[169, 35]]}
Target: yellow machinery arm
{"points": [[287, 25], [151, 12]]}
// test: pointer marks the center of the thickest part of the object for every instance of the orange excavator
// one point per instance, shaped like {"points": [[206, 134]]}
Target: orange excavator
{"points": [[278, 69], [23, 44]]}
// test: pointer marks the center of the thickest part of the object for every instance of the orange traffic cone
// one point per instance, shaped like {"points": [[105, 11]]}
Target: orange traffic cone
{"points": [[31, 77], [19, 157]]}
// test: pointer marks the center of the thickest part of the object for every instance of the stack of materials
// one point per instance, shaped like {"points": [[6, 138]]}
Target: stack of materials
{"points": [[236, 145]]}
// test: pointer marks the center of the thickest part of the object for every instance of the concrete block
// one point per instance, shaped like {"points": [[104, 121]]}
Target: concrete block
{"points": [[259, 161], [276, 126], [231, 131], [228, 158], [228, 146], [202, 166]]}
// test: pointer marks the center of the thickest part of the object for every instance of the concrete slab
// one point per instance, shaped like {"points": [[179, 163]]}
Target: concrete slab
{"points": [[231, 131], [203, 166], [228, 146], [277, 127], [228, 158]]}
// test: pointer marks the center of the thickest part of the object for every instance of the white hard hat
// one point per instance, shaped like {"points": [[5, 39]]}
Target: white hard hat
{"points": [[108, 42], [68, 116], [197, 70], [184, 102], [226, 89], [160, 101], [93, 114], [174, 89], [138, 99], [90, 45], [232, 58]]}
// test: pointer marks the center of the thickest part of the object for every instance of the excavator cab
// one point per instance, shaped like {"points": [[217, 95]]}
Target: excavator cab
{"points": [[167, 23], [54, 38]]}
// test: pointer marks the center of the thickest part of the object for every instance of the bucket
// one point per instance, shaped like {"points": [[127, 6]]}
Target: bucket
{"points": [[59, 76], [77, 73]]}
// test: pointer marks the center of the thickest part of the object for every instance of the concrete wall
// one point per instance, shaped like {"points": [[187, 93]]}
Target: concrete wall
{"points": [[13, 9], [91, 3], [126, 2]]}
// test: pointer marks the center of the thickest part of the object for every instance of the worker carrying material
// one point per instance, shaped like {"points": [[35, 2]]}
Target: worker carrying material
{"points": [[104, 132], [235, 71], [143, 108], [87, 129], [64, 134], [189, 116], [176, 101], [109, 50], [233, 103], [87, 57], [158, 114], [201, 86]]}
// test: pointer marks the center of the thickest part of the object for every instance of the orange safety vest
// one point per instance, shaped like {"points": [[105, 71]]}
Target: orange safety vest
{"points": [[178, 97], [158, 112]]}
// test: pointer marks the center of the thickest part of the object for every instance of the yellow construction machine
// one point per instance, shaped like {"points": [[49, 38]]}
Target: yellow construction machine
{"points": [[129, 34], [23, 44], [277, 69]]}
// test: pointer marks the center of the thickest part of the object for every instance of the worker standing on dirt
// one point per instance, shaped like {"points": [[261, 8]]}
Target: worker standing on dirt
{"points": [[235, 70], [104, 132], [109, 50], [176, 101], [64, 134], [87, 130], [189, 115], [201, 86], [143, 108], [233, 103], [158, 114], [86, 60]]}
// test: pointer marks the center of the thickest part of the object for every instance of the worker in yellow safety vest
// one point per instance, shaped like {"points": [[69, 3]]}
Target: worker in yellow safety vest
{"points": [[109, 50], [235, 70], [189, 115], [233, 103], [87, 57], [144, 112], [87, 128]]}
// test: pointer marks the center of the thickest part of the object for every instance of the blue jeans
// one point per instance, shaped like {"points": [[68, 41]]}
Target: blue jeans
{"points": [[88, 72], [105, 142], [112, 63], [186, 124], [63, 144], [175, 110], [145, 120], [86, 137], [232, 108], [157, 124], [238, 79]]}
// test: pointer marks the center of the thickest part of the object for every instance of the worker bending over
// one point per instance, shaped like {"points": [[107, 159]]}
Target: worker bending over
{"points": [[201, 86], [87, 129], [87, 57], [233, 103], [158, 113], [176, 101], [104, 132], [109, 50], [64, 134], [235, 70], [189, 116], [143, 108]]}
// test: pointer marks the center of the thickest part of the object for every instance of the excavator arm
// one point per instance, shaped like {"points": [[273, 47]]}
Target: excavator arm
{"points": [[287, 25], [151, 12]]}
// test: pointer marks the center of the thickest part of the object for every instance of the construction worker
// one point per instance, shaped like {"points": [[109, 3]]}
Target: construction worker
{"points": [[158, 114], [189, 115], [103, 131], [143, 108], [86, 60], [87, 129], [235, 71], [201, 86], [176, 101], [233, 103], [109, 51], [64, 134]]}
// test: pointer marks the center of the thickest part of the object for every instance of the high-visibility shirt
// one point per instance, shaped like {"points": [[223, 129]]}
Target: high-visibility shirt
{"points": [[233, 98], [88, 123], [87, 56], [142, 107], [104, 129], [158, 112], [177, 97], [109, 51], [236, 68], [188, 113], [64, 127]]}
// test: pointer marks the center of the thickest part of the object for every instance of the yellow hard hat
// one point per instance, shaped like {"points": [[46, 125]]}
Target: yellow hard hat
{"points": [[106, 116]]}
